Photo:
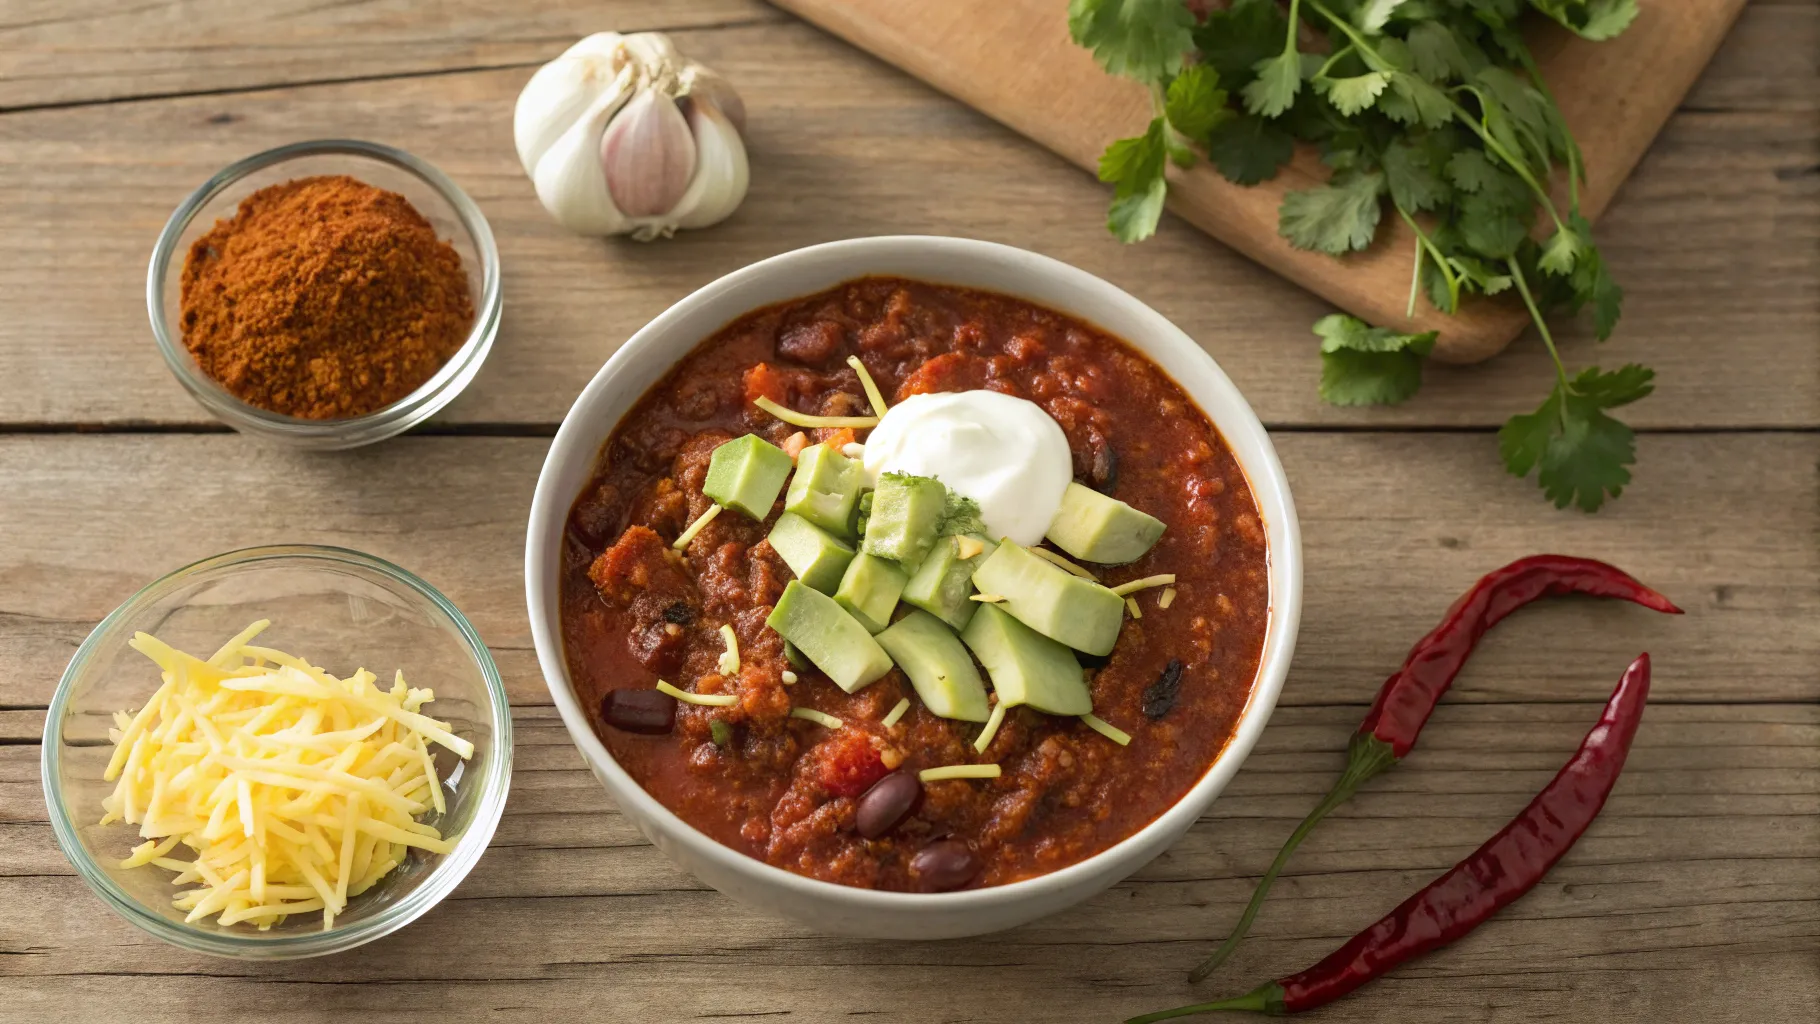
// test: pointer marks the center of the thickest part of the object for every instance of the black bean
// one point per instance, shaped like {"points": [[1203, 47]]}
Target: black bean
{"points": [[944, 865], [1160, 696], [641, 711], [885, 804], [1105, 470], [680, 613]]}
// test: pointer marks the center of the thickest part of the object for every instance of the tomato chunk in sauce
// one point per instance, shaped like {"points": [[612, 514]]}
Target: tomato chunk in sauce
{"points": [[784, 789]]}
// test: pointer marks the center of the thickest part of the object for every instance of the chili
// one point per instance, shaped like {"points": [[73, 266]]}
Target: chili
{"points": [[1408, 697], [1506, 867]]}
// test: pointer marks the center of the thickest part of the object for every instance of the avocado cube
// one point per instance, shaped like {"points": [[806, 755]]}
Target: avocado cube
{"points": [[1095, 528], [1026, 667], [869, 590], [795, 658], [830, 638], [1055, 603], [817, 557], [941, 585], [746, 473], [825, 488], [906, 515], [938, 666]]}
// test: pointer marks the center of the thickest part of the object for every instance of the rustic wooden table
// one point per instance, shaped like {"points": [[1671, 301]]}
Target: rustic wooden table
{"points": [[1695, 898]]}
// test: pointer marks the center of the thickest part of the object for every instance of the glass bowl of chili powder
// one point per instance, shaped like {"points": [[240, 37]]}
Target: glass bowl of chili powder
{"points": [[344, 414]]}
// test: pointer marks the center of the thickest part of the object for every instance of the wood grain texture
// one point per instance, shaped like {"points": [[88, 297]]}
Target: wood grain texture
{"points": [[64, 52], [1693, 882], [1716, 238], [1615, 95], [1395, 525]]}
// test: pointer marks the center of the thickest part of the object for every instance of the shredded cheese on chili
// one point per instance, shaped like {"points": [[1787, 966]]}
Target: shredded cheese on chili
{"points": [[820, 718], [1107, 729], [297, 790], [709, 700], [897, 713], [959, 771]]}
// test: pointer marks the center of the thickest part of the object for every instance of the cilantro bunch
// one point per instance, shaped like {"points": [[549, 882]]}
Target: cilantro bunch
{"points": [[1432, 109]]}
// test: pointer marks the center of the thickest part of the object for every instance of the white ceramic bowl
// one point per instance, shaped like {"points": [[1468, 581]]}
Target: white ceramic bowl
{"points": [[651, 352]]}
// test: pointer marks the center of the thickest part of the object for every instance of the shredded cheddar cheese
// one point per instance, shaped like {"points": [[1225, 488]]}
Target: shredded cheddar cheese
{"points": [[296, 790]]}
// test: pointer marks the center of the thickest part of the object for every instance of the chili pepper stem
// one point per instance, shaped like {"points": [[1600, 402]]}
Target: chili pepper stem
{"points": [[1366, 758], [1263, 999]]}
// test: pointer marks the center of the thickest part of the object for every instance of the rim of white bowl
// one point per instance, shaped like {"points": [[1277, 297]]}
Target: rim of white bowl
{"points": [[859, 257], [447, 873]]}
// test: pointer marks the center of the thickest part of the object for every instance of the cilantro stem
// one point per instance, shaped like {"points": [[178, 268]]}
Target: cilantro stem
{"points": [[1415, 277], [1522, 283], [1576, 170], [1294, 7], [1447, 274]]}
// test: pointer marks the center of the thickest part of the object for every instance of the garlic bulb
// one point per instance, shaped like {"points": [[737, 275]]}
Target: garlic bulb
{"points": [[623, 134]]}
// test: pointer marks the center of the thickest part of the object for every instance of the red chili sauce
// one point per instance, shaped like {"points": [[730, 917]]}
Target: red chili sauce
{"points": [[783, 789]]}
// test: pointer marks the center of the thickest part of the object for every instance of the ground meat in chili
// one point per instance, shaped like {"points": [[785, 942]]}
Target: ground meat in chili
{"points": [[783, 789]]}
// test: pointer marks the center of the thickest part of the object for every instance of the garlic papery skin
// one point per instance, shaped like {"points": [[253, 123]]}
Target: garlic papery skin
{"points": [[622, 134]]}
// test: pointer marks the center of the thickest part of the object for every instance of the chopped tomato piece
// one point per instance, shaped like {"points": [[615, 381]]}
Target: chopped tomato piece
{"points": [[763, 380], [848, 763]]}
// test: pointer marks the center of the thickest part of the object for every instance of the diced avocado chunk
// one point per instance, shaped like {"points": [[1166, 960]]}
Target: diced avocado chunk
{"points": [[1095, 528], [1026, 667], [1055, 603], [938, 666], [795, 657], [746, 473], [906, 515], [830, 638], [817, 557], [940, 585], [869, 590], [824, 489]]}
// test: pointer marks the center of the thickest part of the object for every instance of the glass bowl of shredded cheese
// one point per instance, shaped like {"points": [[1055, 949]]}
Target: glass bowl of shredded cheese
{"points": [[278, 752]]}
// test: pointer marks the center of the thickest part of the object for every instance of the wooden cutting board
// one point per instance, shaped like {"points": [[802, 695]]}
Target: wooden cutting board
{"points": [[1013, 60]]}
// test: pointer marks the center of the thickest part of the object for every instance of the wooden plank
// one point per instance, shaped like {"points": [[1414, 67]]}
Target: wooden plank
{"points": [[1616, 95], [1395, 526], [844, 146], [1698, 873], [61, 52]]}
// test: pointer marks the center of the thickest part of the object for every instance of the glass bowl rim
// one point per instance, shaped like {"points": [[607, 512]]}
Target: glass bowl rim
{"points": [[444, 876], [429, 396]]}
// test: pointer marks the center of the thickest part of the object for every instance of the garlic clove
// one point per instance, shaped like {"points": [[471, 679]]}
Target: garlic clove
{"points": [[568, 176], [559, 93], [648, 154], [721, 171], [703, 84]]}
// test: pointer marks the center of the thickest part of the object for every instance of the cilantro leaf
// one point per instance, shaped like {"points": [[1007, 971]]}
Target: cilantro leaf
{"points": [[1249, 149], [1561, 252], [1590, 19], [1412, 100], [1195, 102], [1471, 170], [1133, 217], [1352, 95], [1278, 80], [960, 515], [1373, 14], [1365, 365], [1592, 282], [1337, 217], [1439, 54], [1141, 39], [1237, 39], [1580, 454], [1493, 226], [1414, 185], [1135, 160]]}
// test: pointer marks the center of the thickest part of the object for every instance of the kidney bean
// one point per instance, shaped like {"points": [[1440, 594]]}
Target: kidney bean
{"points": [[944, 865], [641, 711], [885, 804]]}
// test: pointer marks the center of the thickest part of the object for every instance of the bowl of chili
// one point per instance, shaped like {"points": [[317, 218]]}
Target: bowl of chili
{"points": [[325, 294], [637, 411]]}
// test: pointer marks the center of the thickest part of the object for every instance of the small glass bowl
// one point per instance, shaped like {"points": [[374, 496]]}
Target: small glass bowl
{"points": [[442, 202], [341, 609]]}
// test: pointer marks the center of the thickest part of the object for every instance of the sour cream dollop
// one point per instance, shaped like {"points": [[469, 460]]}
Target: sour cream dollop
{"points": [[1005, 453]]}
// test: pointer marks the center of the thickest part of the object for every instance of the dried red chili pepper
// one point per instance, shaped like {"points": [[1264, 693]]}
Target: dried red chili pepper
{"points": [[1506, 867], [1410, 694]]}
